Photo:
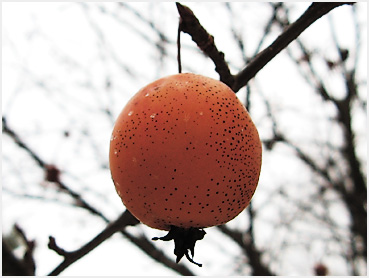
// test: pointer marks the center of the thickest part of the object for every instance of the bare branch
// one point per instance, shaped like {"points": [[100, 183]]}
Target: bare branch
{"points": [[126, 219], [312, 14], [191, 25], [79, 201], [355, 199], [7, 130], [249, 248]]}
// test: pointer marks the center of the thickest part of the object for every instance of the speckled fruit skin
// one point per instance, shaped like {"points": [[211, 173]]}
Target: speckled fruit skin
{"points": [[185, 152]]}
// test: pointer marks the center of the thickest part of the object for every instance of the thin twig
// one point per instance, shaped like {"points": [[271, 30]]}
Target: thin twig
{"points": [[119, 225], [249, 248], [123, 221], [312, 14], [7, 130], [78, 200], [179, 47]]}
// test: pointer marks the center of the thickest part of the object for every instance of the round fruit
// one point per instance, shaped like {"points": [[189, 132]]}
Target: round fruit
{"points": [[184, 152]]}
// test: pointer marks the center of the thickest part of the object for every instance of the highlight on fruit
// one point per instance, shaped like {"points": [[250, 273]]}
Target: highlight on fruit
{"points": [[185, 155]]}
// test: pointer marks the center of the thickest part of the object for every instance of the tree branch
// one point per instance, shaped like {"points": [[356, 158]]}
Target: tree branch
{"points": [[7, 130], [312, 14], [124, 220], [51, 172], [355, 199], [249, 248], [191, 25]]}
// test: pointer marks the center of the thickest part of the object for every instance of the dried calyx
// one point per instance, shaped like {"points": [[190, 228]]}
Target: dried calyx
{"points": [[184, 241]]}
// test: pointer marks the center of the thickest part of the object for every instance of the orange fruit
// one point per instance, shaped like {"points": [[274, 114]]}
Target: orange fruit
{"points": [[184, 152]]}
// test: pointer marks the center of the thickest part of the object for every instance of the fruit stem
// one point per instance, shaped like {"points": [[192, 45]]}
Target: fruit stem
{"points": [[179, 46]]}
